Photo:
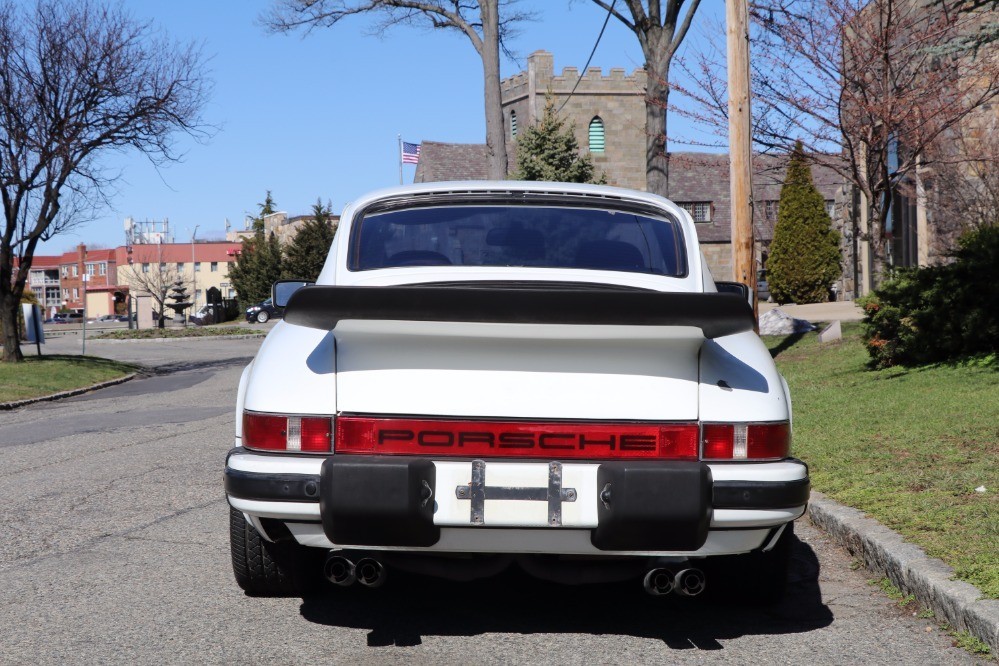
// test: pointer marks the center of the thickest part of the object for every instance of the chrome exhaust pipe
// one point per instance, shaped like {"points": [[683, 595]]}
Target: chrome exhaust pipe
{"points": [[658, 582], [370, 572], [689, 582], [339, 570]]}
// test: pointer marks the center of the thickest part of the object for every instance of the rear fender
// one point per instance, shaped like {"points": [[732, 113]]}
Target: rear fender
{"points": [[739, 381], [294, 372]]}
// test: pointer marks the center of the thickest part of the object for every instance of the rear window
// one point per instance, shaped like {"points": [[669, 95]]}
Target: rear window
{"points": [[530, 236]]}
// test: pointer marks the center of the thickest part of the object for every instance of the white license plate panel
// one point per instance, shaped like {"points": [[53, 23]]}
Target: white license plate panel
{"points": [[533, 479]]}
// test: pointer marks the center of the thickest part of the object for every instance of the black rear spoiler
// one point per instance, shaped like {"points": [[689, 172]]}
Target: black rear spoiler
{"points": [[716, 314]]}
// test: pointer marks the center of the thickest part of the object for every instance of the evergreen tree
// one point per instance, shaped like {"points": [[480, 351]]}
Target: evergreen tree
{"points": [[268, 207], [258, 265], [548, 151], [306, 254], [804, 253]]}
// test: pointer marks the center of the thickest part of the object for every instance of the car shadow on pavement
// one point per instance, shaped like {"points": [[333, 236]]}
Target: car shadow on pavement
{"points": [[410, 607]]}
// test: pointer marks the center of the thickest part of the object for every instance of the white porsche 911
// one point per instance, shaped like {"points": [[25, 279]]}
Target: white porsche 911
{"points": [[497, 373]]}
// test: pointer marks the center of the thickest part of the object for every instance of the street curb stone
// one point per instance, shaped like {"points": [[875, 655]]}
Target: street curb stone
{"points": [[6, 406], [928, 579], [248, 336]]}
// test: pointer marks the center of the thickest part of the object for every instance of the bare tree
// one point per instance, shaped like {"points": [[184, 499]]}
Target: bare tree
{"points": [[149, 275], [963, 182], [869, 86], [479, 20], [78, 81], [660, 31]]}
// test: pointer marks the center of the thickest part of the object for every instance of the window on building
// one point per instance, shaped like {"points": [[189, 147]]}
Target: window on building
{"points": [[145, 268], [180, 266], [699, 210], [215, 267], [197, 266], [102, 268], [513, 123], [65, 293], [65, 271], [770, 210], [596, 135], [76, 271], [232, 293], [76, 293], [162, 267], [830, 207], [91, 269]]}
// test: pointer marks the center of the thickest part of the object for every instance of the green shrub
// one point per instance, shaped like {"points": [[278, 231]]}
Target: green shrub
{"points": [[939, 313], [804, 253]]}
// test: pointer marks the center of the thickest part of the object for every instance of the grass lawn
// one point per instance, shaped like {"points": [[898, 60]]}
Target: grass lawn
{"points": [[909, 446], [191, 332], [39, 376]]}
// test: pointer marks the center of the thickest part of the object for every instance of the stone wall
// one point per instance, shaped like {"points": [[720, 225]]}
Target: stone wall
{"points": [[618, 99]]}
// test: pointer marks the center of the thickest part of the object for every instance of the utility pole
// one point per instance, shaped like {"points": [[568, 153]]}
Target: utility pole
{"points": [[740, 146]]}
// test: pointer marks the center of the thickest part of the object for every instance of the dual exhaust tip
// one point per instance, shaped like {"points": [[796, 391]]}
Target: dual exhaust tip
{"points": [[686, 582], [369, 572], [342, 571]]}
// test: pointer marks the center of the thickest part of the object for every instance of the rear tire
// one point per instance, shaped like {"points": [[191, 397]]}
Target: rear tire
{"points": [[263, 568], [766, 573], [262, 317], [757, 579]]}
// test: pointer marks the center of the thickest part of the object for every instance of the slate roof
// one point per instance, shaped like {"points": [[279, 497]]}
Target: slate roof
{"points": [[697, 177], [456, 161]]}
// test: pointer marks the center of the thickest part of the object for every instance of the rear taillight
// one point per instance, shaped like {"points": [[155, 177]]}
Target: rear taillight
{"points": [[278, 432], [516, 439], [746, 441]]}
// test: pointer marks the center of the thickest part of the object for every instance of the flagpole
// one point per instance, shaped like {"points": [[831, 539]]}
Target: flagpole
{"points": [[399, 137]]}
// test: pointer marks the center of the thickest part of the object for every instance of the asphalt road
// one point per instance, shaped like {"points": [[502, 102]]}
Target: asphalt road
{"points": [[115, 549]]}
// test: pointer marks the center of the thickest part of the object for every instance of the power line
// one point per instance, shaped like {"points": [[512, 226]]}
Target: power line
{"points": [[610, 10]]}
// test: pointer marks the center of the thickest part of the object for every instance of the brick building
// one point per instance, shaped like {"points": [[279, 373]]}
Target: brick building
{"points": [[90, 274], [106, 277], [200, 265], [43, 280]]}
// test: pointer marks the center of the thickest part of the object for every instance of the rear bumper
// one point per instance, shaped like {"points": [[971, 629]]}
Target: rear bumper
{"points": [[371, 502]]}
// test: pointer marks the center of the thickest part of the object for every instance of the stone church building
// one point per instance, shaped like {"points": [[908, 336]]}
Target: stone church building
{"points": [[608, 116]]}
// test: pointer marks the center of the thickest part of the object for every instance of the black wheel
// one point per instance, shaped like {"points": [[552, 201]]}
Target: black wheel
{"points": [[265, 568], [758, 579], [262, 317], [766, 573]]}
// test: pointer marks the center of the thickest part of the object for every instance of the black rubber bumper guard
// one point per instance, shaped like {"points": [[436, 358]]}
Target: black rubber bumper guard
{"points": [[642, 505]]}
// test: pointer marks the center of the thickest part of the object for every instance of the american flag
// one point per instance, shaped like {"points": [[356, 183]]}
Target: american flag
{"points": [[410, 153]]}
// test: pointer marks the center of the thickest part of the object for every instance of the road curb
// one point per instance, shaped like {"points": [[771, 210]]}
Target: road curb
{"points": [[248, 336], [6, 406], [910, 569]]}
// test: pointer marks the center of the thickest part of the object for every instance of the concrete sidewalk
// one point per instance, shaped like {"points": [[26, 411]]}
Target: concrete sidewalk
{"points": [[816, 312]]}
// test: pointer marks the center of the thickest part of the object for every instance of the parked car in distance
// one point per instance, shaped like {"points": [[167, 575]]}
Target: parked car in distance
{"points": [[67, 318], [124, 317], [261, 312]]}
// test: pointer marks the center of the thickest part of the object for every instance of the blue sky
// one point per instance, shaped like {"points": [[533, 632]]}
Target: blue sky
{"points": [[317, 116]]}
